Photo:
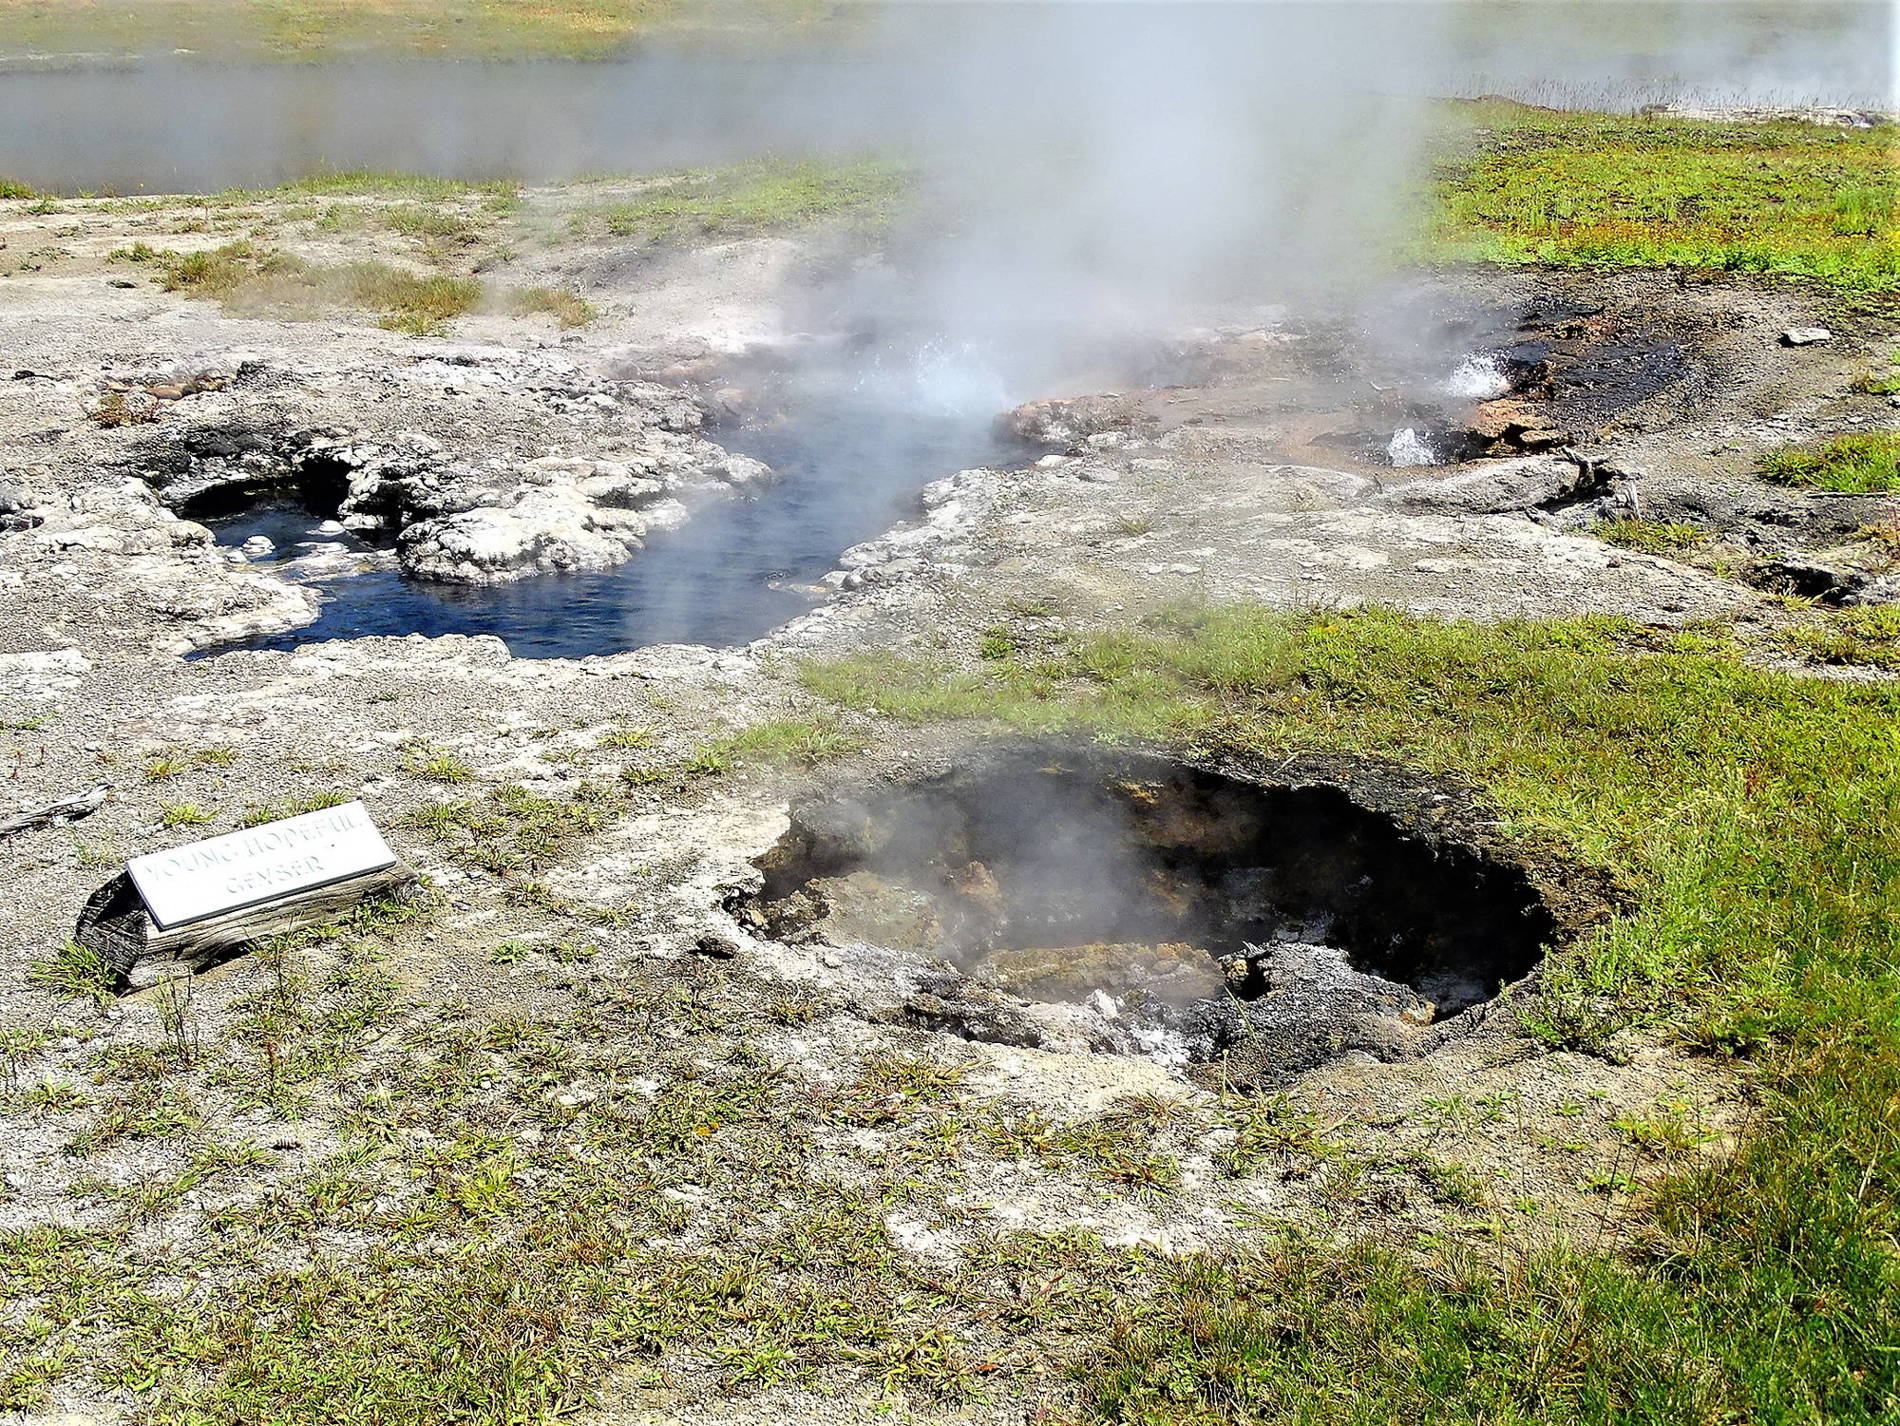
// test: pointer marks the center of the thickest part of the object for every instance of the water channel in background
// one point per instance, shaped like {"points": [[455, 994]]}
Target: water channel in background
{"points": [[178, 124]]}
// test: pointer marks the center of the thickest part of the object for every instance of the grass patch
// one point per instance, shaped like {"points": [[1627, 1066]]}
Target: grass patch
{"points": [[73, 972], [378, 183], [1868, 637], [259, 282], [568, 309], [311, 29], [407, 200], [1654, 537], [10, 189], [1757, 818], [797, 742], [168, 763], [258, 814], [182, 814], [431, 226], [753, 198], [436, 765], [1865, 462], [512, 830], [1600, 191], [1878, 383], [630, 740]]}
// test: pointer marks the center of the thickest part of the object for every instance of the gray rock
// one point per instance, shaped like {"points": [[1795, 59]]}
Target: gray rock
{"points": [[1822, 115], [1313, 1006], [1806, 336], [1072, 420], [1495, 487], [1809, 579]]}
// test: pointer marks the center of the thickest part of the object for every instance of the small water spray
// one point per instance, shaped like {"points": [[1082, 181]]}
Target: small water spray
{"points": [[1410, 447], [1477, 378]]}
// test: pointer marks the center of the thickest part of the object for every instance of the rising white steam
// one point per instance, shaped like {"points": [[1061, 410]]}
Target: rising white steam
{"points": [[1091, 172]]}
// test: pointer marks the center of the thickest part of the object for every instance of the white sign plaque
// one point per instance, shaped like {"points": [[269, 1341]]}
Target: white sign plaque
{"points": [[259, 864]]}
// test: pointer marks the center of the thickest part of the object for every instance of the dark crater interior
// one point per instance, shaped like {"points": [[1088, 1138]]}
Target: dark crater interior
{"points": [[1055, 875]]}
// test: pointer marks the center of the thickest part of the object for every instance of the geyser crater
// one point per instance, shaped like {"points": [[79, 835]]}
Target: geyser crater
{"points": [[1181, 908]]}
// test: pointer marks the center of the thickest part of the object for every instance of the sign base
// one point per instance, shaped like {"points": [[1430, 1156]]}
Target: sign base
{"points": [[116, 924]]}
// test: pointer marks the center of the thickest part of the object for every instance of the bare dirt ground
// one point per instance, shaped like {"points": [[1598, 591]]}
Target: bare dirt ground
{"points": [[1253, 473]]}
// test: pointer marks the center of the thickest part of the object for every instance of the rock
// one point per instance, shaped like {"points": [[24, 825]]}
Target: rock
{"points": [[479, 518], [1495, 487], [1505, 426], [488, 546], [111, 405], [888, 572], [1173, 972], [128, 398], [716, 947], [1808, 579], [948, 1003], [1806, 336], [1825, 116], [738, 470], [15, 498], [42, 674], [1306, 1004], [1072, 420]]}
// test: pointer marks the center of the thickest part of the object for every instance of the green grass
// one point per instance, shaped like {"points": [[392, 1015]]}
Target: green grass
{"points": [[1863, 463], [568, 309], [1867, 636], [512, 830], [436, 765], [73, 972], [1653, 537], [1520, 185], [182, 814], [753, 198], [795, 742], [166, 763], [253, 281], [417, 188], [631, 740], [1756, 818], [398, 191], [258, 815], [443, 217], [293, 29]]}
